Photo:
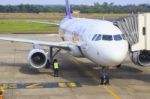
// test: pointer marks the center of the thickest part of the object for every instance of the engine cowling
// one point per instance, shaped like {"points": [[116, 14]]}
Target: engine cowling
{"points": [[141, 58], [37, 58]]}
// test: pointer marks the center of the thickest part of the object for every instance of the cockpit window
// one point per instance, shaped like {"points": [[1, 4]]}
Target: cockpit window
{"points": [[94, 37], [117, 37], [98, 37], [107, 37]]}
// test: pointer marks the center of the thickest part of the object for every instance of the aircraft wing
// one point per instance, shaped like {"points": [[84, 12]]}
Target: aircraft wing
{"points": [[62, 45], [54, 24]]}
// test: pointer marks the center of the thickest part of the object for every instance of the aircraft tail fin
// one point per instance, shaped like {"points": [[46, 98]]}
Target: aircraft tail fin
{"points": [[68, 10]]}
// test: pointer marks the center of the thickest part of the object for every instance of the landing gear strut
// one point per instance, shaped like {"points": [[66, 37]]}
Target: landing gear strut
{"points": [[118, 66], [104, 76], [52, 54]]}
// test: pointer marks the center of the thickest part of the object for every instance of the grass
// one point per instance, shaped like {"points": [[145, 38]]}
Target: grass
{"points": [[56, 16], [31, 15], [103, 16], [17, 22], [22, 26]]}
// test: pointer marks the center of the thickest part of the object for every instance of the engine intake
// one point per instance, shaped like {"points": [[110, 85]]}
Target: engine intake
{"points": [[141, 58], [37, 58]]}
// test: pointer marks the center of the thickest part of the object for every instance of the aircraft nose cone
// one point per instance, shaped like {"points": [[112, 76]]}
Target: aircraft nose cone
{"points": [[117, 55], [114, 55]]}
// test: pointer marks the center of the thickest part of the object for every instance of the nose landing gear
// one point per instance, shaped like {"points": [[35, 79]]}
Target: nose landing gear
{"points": [[104, 76]]}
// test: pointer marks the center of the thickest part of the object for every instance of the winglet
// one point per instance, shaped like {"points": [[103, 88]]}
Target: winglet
{"points": [[68, 10]]}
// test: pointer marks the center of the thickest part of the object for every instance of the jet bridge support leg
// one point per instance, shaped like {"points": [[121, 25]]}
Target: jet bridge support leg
{"points": [[104, 76], [52, 54]]}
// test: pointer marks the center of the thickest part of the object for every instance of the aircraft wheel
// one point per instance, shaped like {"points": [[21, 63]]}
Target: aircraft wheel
{"points": [[104, 76], [104, 80]]}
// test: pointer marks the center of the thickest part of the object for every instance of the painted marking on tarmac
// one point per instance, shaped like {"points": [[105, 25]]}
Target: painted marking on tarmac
{"points": [[40, 85], [11, 86], [109, 90], [36, 85], [62, 85], [72, 85], [2, 88]]}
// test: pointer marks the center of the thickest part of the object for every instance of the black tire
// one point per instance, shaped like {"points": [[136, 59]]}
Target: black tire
{"points": [[105, 80], [102, 80]]}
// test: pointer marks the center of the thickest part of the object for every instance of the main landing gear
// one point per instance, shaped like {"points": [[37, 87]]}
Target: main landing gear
{"points": [[104, 76], [118, 66], [52, 54]]}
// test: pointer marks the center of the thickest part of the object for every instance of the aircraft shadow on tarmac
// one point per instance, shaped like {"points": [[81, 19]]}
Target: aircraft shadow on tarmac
{"points": [[24, 68], [73, 73], [124, 72]]}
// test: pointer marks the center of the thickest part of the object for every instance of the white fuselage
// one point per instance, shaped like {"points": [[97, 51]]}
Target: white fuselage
{"points": [[99, 40]]}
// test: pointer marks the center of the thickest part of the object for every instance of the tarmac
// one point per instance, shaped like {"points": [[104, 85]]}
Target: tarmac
{"points": [[79, 78]]}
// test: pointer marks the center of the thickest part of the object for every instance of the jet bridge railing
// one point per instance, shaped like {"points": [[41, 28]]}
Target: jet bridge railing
{"points": [[136, 28]]}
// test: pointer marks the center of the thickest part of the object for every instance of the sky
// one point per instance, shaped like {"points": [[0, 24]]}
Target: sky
{"points": [[61, 2]]}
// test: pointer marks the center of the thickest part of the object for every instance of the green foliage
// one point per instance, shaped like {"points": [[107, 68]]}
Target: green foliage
{"points": [[96, 8]]}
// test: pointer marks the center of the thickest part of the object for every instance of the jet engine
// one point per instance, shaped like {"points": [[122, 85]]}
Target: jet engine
{"points": [[37, 58], [141, 58]]}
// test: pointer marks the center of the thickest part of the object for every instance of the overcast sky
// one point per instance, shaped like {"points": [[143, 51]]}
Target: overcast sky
{"points": [[57, 2]]}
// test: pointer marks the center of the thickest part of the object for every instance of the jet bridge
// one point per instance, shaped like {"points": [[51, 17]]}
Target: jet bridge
{"points": [[137, 30]]}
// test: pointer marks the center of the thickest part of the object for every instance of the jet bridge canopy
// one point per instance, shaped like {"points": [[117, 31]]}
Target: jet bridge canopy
{"points": [[137, 30]]}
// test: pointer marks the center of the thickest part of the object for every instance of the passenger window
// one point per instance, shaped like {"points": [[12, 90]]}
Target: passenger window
{"points": [[98, 37], [94, 37], [117, 37], [107, 37]]}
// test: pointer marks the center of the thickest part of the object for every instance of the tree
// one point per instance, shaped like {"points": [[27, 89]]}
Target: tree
{"points": [[96, 8]]}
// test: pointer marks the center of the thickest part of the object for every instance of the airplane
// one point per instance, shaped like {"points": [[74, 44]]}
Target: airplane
{"points": [[100, 41]]}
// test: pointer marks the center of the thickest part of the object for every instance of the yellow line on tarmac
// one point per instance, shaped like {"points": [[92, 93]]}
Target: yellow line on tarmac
{"points": [[108, 89]]}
